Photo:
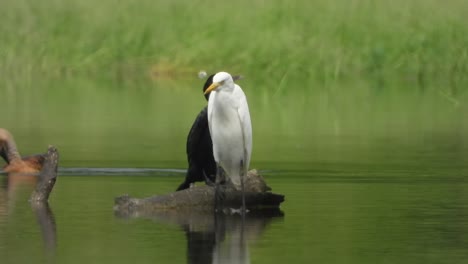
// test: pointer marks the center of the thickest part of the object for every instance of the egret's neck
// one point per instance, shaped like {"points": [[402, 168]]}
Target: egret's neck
{"points": [[223, 98], [228, 87]]}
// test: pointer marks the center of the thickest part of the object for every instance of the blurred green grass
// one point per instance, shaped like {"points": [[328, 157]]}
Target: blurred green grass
{"points": [[278, 42]]}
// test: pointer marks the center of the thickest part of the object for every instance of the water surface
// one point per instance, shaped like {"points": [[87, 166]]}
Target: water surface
{"points": [[336, 213], [369, 177]]}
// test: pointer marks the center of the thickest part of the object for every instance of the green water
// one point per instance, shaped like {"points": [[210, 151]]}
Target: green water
{"points": [[336, 219], [369, 176]]}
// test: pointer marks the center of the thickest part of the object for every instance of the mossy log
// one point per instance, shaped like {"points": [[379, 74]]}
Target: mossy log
{"points": [[201, 198]]}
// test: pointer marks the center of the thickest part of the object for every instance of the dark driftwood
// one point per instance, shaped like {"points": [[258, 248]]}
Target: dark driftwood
{"points": [[40, 195], [257, 197], [47, 176]]}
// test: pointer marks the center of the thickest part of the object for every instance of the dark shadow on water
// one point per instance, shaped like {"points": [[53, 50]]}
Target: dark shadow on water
{"points": [[216, 237]]}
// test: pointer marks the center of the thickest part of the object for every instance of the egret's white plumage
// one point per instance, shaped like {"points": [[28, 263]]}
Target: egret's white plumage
{"points": [[230, 127]]}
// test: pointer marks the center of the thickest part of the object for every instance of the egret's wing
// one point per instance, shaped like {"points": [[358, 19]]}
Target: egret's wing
{"points": [[197, 132], [244, 116]]}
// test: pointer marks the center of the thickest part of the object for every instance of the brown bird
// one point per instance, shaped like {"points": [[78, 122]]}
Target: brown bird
{"points": [[16, 163]]}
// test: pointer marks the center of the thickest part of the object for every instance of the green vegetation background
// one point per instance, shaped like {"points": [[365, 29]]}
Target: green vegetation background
{"points": [[106, 75]]}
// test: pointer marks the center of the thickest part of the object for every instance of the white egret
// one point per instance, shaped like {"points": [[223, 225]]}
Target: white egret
{"points": [[201, 163], [231, 131]]}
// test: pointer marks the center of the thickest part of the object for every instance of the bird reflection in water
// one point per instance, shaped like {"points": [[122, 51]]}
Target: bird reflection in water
{"points": [[216, 237]]}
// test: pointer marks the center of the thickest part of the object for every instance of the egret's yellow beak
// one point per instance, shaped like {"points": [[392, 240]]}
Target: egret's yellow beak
{"points": [[212, 87]]}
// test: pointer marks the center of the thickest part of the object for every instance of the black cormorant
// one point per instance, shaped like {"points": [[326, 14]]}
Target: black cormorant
{"points": [[202, 166]]}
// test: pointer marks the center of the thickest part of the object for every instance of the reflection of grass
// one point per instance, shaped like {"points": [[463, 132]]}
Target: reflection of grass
{"points": [[314, 41], [103, 123]]}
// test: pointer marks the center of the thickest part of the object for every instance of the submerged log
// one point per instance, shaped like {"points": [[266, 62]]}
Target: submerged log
{"points": [[201, 198], [47, 177]]}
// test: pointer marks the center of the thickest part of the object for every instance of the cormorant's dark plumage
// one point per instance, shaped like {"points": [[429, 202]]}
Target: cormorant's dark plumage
{"points": [[202, 166]]}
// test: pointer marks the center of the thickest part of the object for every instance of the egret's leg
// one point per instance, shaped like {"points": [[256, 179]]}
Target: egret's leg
{"points": [[242, 176], [219, 192]]}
